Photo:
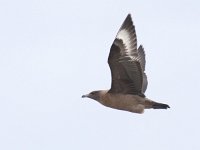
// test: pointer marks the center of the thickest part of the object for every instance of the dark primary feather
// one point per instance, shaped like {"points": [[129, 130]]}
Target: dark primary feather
{"points": [[127, 63], [141, 58]]}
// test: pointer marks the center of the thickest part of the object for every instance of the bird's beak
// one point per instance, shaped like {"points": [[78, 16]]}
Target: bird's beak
{"points": [[83, 96]]}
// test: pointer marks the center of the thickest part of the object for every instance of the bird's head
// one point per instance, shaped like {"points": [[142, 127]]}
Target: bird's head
{"points": [[96, 95]]}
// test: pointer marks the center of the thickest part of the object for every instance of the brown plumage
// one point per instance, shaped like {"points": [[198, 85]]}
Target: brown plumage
{"points": [[129, 81]]}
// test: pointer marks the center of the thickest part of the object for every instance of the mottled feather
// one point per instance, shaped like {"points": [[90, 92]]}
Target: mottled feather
{"points": [[127, 63]]}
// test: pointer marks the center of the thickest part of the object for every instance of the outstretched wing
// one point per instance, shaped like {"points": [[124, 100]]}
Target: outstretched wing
{"points": [[141, 58], [126, 63]]}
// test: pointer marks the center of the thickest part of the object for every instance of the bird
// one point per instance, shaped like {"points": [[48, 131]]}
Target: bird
{"points": [[129, 80]]}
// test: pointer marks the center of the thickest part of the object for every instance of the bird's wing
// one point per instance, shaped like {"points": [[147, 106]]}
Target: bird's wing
{"points": [[126, 67], [141, 58]]}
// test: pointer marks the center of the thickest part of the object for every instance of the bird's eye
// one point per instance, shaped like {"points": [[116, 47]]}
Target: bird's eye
{"points": [[92, 93]]}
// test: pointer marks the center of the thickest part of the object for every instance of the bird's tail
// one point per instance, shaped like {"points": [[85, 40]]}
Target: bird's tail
{"points": [[155, 105], [160, 106]]}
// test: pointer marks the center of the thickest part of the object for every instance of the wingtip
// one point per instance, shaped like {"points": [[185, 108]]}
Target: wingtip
{"points": [[129, 15], [128, 23], [141, 47]]}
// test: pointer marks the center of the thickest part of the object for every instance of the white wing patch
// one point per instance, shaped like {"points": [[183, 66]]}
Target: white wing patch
{"points": [[124, 35]]}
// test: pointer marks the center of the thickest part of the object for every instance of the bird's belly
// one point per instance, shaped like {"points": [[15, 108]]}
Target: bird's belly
{"points": [[133, 103]]}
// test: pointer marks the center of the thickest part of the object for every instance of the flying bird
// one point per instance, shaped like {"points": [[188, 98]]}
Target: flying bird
{"points": [[129, 80]]}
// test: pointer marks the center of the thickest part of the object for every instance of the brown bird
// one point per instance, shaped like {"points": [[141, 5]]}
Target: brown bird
{"points": [[129, 81]]}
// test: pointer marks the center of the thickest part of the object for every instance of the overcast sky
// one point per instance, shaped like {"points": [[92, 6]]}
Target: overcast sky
{"points": [[54, 51]]}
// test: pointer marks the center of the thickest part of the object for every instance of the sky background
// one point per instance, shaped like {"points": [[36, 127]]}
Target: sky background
{"points": [[54, 51]]}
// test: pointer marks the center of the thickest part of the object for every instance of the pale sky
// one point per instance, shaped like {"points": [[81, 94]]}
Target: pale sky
{"points": [[54, 51]]}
